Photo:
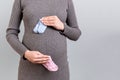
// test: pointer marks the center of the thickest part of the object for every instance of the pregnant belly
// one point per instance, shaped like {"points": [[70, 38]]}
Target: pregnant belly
{"points": [[51, 42]]}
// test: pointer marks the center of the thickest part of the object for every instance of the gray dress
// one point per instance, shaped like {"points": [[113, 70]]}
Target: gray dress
{"points": [[52, 42]]}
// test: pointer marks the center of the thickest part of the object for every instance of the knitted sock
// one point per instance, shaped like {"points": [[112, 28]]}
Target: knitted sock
{"points": [[50, 65], [40, 27]]}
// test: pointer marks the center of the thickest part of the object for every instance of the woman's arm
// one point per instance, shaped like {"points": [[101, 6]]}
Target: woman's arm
{"points": [[13, 29], [71, 29]]}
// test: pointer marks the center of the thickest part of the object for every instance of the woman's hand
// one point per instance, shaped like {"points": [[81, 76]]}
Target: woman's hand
{"points": [[36, 57], [53, 21]]}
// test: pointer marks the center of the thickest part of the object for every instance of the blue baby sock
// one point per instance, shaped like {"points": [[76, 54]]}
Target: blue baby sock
{"points": [[40, 27]]}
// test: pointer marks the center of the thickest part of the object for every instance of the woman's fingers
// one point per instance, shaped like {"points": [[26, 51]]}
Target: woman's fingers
{"points": [[41, 60], [36, 57], [49, 23], [53, 21], [48, 18], [41, 56]]}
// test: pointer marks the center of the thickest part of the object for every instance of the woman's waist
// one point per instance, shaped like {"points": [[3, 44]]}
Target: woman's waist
{"points": [[44, 42]]}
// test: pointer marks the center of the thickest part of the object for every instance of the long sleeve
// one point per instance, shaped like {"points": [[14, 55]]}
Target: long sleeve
{"points": [[71, 29], [13, 29]]}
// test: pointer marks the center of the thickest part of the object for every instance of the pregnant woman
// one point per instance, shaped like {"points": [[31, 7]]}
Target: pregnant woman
{"points": [[36, 48]]}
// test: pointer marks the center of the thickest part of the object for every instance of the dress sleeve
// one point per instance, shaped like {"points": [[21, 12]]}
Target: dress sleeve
{"points": [[13, 29], [71, 29]]}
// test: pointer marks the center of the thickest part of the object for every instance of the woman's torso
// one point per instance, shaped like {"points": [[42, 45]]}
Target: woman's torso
{"points": [[50, 42]]}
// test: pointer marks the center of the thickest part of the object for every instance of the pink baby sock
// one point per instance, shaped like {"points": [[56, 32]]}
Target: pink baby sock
{"points": [[50, 65]]}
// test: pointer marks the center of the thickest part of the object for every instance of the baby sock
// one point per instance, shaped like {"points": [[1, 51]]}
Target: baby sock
{"points": [[40, 27], [50, 65]]}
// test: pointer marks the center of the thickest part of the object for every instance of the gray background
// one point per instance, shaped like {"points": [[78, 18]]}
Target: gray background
{"points": [[95, 56]]}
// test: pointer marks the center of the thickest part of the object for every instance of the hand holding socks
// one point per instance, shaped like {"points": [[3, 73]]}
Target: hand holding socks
{"points": [[50, 65], [40, 27]]}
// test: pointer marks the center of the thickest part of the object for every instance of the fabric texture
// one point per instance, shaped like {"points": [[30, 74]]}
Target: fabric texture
{"points": [[52, 42]]}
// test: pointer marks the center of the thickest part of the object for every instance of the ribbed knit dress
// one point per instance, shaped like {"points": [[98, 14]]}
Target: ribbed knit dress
{"points": [[52, 42]]}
